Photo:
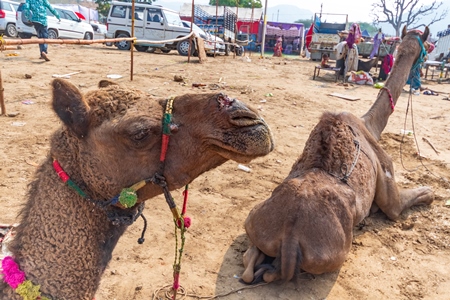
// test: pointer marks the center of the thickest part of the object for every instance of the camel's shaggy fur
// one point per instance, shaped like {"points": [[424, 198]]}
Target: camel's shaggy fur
{"points": [[308, 221], [110, 140]]}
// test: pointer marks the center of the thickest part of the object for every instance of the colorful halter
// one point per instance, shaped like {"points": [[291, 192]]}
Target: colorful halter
{"points": [[181, 222]]}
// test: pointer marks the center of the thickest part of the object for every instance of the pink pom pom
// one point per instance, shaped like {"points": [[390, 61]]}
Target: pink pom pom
{"points": [[12, 274], [187, 222]]}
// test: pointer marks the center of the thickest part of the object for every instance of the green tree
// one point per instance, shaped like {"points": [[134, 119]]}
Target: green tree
{"points": [[306, 22], [371, 29], [398, 13], [239, 3]]}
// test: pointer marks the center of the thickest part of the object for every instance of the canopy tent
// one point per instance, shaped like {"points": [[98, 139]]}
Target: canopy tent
{"points": [[365, 34]]}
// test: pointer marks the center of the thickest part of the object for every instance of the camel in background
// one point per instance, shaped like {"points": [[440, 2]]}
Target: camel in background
{"points": [[342, 175]]}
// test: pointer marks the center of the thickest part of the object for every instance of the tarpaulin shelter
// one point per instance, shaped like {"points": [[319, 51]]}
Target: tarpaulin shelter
{"points": [[365, 34], [291, 33]]}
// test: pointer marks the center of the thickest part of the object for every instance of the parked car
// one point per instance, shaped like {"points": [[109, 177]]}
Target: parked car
{"points": [[209, 40], [152, 23], [100, 30], [70, 26], [8, 17]]}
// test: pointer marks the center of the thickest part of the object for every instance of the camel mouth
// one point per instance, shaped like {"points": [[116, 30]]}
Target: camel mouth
{"points": [[252, 140]]}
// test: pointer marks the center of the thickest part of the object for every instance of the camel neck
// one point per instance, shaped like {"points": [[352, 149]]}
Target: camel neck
{"points": [[378, 115], [63, 242]]}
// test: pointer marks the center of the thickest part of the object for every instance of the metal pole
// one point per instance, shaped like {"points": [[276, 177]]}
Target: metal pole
{"points": [[132, 42], [264, 30]]}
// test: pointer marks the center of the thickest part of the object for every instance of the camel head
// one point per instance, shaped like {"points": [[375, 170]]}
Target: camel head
{"points": [[112, 137], [411, 35]]}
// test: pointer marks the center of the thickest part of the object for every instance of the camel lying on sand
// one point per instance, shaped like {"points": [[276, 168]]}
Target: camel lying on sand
{"points": [[110, 140], [307, 223]]}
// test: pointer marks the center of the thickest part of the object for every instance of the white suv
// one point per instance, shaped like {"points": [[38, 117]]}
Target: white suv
{"points": [[8, 17], [70, 26], [151, 22]]}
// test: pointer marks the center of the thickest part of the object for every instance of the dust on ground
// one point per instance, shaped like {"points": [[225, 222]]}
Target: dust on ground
{"points": [[407, 259]]}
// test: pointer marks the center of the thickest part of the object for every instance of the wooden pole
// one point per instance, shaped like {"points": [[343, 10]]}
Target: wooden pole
{"points": [[192, 25], [235, 28], [264, 31], [61, 41], [2, 99], [216, 29], [132, 43]]}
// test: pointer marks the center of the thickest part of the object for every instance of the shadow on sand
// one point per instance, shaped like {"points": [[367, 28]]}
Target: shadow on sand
{"points": [[303, 286]]}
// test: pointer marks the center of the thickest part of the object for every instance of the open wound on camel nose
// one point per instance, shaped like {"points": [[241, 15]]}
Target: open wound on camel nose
{"points": [[224, 100]]}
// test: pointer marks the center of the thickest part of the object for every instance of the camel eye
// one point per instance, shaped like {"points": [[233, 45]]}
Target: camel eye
{"points": [[141, 134]]}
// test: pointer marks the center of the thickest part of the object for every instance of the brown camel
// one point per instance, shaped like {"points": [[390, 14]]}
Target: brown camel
{"points": [[111, 139], [307, 223]]}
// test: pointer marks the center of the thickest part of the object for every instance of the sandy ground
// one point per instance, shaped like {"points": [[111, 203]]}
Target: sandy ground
{"points": [[407, 259]]}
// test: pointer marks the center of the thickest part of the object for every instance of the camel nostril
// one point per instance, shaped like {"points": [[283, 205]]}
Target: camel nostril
{"points": [[244, 117]]}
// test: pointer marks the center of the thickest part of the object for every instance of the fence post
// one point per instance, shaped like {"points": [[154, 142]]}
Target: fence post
{"points": [[2, 99]]}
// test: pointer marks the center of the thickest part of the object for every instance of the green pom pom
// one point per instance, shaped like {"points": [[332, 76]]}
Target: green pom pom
{"points": [[28, 290], [128, 197]]}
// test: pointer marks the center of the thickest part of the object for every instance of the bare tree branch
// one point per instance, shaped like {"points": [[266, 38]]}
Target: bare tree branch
{"points": [[407, 12]]}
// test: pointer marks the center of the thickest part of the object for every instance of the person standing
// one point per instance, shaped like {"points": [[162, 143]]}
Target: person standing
{"points": [[377, 39], [278, 49], [353, 38], [36, 12]]}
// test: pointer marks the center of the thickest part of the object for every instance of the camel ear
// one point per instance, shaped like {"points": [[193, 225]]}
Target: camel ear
{"points": [[69, 105], [425, 34], [404, 32], [105, 83]]}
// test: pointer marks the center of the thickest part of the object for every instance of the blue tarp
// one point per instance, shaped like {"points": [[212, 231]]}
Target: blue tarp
{"points": [[365, 33]]}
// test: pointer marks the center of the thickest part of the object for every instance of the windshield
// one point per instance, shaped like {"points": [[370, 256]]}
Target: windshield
{"points": [[172, 18]]}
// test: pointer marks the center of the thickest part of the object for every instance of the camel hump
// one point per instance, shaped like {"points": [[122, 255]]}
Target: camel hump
{"points": [[105, 83]]}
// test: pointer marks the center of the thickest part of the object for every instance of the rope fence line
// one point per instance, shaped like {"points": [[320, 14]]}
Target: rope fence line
{"points": [[165, 41], [8, 42], [19, 41], [4, 42]]}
